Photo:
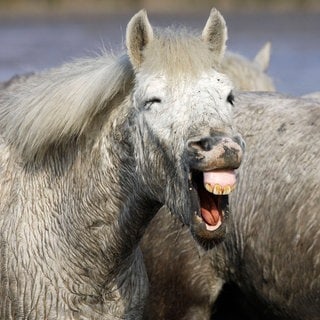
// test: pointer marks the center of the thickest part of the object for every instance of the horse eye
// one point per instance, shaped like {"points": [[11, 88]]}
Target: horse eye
{"points": [[230, 98], [150, 102]]}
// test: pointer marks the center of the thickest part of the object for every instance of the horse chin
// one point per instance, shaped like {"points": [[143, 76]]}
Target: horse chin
{"points": [[206, 235]]}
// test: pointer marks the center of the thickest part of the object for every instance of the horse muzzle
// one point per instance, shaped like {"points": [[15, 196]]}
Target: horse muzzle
{"points": [[212, 161], [217, 152]]}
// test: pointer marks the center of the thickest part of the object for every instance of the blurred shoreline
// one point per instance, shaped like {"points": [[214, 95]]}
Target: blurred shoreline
{"points": [[10, 9], [32, 41]]}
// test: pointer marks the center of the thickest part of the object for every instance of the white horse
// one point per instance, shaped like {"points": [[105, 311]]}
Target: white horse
{"points": [[89, 153], [249, 75]]}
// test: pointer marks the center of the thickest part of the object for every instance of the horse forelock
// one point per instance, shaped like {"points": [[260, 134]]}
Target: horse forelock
{"points": [[54, 106], [178, 52]]}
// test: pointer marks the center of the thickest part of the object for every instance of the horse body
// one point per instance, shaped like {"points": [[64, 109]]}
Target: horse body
{"points": [[276, 225], [91, 151], [271, 250]]}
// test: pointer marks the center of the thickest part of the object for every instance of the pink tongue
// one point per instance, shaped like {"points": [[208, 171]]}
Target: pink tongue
{"points": [[221, 177]]}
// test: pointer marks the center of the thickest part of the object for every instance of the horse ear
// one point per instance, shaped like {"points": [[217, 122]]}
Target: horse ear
{"points": [[139, 34], [262, 59], [215, 33]]}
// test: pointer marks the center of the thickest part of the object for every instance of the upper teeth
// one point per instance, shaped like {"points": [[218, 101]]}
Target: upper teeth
{"points": [[218, 189]]}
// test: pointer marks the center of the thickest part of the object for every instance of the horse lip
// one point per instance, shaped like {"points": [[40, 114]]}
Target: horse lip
{"points": [[206, 238]]}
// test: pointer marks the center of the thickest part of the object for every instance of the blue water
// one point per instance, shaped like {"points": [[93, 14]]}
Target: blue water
{"points": [[28, 45]]}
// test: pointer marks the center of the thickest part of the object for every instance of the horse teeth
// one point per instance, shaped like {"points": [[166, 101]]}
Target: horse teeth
{"points": [[208, 187], [226, 190], [217, 189]]}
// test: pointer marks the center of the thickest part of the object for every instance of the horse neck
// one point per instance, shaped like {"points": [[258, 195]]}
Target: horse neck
{"points": [[87, 202], [128, 201], [105, 197]]}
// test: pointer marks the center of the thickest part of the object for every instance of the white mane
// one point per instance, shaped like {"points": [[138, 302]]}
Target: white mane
{"points": [[58, 104], [179, 51]]}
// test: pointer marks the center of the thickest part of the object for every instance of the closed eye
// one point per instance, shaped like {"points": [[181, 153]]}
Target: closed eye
{"points": [[148, 103], [230, 98]]}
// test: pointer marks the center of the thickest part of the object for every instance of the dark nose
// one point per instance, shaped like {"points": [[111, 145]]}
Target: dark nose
{"points": [[215, 152]]}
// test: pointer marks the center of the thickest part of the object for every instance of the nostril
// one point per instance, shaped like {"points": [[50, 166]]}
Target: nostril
{"points": [[206, 144], [202, 144]]}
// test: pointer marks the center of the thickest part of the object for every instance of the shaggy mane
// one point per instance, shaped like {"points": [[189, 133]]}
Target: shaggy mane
{"points": [[51, 107]]}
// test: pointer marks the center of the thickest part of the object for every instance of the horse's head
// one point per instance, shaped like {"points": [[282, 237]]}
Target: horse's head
{"points": [[187, 142]]}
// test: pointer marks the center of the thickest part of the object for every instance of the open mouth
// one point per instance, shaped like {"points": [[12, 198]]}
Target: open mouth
{"points": [[212, 188]]}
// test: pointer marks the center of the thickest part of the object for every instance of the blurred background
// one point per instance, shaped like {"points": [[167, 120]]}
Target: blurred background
{"points": [[94, 6], [39, 34]]}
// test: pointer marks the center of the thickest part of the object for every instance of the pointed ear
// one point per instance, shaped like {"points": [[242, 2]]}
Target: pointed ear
{"points": [[139, 34], [262, 59], [215, 33]]}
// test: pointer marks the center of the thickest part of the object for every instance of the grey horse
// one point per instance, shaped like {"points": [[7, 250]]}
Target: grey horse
{"points": [[270, 259], [249, 75], [90, 151]]}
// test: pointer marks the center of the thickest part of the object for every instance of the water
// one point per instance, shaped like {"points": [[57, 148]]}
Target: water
{"points": [[28, 45]]}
